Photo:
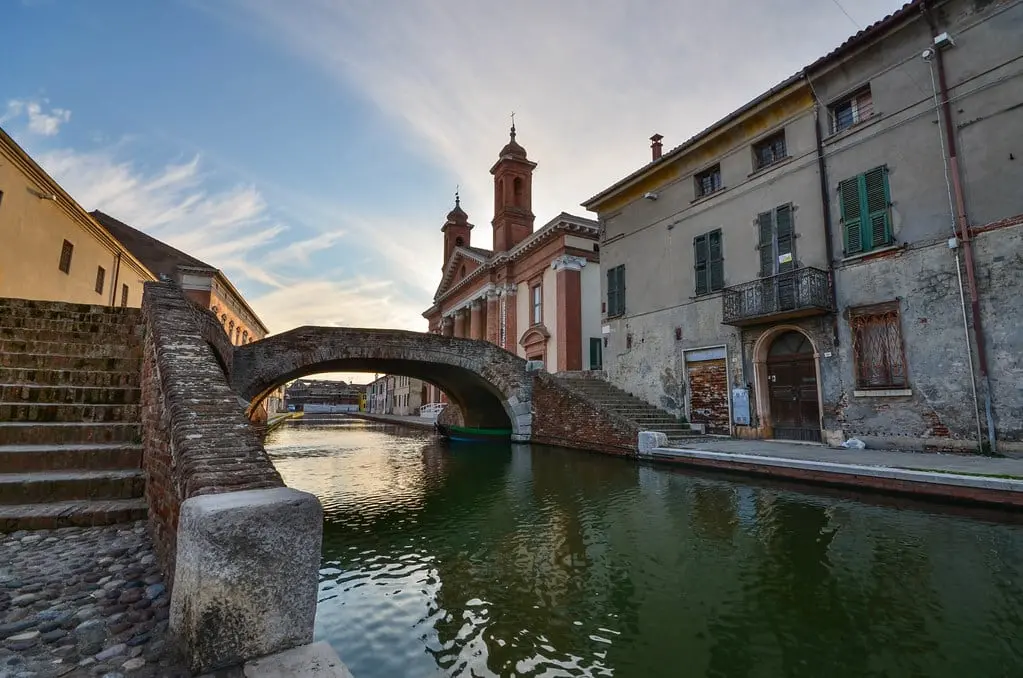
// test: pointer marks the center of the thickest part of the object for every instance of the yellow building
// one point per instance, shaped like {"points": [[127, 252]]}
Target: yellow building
{"points": [[52, 248]]}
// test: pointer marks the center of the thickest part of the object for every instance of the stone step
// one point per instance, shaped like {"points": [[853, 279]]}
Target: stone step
{"points": [[69, 362], [67, 412], [70, 378], [92, 395], [101, 326], [80, 333], [26, 308], [49, 486], [32, 433], [77, 513], [91, 347], [31, 458]]}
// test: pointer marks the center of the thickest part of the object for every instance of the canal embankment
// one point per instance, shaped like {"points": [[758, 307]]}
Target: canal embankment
{"points": [[411, 421], [947, 477]]}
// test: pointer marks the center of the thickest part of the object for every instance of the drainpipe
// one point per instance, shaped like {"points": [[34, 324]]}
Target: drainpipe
{"points": [[964, 230], [114, 277], [829, 244]]}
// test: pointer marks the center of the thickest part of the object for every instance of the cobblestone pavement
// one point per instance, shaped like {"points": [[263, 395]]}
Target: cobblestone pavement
{"points": [[83, 602]]}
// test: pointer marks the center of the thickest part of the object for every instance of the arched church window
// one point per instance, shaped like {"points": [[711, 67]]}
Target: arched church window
{"points": [[459, 242], [517, 191]]}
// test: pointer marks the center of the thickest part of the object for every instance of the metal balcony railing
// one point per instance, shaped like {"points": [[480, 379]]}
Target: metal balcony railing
{"points": [[793, 294]]}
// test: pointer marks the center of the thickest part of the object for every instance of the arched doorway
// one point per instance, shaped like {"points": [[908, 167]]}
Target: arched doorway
{"points": [[792, 388]]}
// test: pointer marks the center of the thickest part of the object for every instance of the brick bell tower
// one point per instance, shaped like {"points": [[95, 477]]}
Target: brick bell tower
{"points": [[457, 230], [513, 196]]}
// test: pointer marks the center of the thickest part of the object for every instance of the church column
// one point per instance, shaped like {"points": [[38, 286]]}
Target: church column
{"points": [[568, 270], [476, 320], [511, 336], [459, 324], [447, 326], [493, 330]]}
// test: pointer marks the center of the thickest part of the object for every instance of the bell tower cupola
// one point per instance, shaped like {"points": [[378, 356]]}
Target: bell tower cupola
{"points": [[457, 230], [513, 195]]}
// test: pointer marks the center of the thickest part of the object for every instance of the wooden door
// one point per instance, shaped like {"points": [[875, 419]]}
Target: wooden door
{"points": [[792, 384]]}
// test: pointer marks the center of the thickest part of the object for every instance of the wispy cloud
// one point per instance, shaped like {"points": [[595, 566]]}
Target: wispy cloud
{"points": [[45, 123], [589, 80]]}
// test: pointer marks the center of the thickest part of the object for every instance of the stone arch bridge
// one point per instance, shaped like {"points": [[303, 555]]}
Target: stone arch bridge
{"points": [[489, 385]]}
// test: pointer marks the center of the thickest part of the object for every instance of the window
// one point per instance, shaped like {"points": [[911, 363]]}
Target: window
{"points": [[459, 241], [616, 291], [776, 241], [101, 275], [851, 110], [517, 192], [769, 151], [879, 358], [537, 304], [1, 197], [708, 181], [865, 203], [66, 250], [124, 295], [710, 262]]}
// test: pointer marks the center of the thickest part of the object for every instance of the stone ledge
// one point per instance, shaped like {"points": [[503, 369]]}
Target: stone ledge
{"points": [[1005, 492], [316, 660]]}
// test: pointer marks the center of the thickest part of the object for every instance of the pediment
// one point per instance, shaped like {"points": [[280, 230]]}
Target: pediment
{"points": [[461, 256], [535, 334]]}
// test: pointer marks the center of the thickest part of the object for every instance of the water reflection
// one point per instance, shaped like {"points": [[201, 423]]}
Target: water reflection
{"points": [[535, 561]]}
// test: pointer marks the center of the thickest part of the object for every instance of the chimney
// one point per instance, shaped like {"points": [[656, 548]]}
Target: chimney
{"points": [[655, 146]]}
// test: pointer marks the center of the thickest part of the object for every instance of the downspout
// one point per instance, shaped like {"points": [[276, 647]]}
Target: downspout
{"points": [[114, 279], [829, 243], [964, 232]]}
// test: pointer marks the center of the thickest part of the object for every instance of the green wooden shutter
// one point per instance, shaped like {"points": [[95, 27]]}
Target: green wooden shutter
{"points": [[852, 222], [701, 256], [786, 237], [612, 292], [765, 243], [878, 223], [716, 262], [621, 289]]}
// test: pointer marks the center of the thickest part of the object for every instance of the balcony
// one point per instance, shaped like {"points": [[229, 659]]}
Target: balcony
{"points": [[793, 294]]}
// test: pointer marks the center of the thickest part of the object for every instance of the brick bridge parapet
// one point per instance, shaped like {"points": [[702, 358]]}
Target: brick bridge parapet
{"points": [[241, 550], [490, 385]]}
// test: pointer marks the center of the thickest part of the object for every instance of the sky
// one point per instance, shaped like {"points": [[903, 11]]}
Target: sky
{"points": [[311, 148]]}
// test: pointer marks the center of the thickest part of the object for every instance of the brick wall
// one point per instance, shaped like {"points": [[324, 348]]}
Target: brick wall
{"points": [[708, 394], [568, 418], [196, 439]]}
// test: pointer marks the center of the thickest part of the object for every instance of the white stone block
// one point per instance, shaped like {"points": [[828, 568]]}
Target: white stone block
{"points": [[246, 575], [651, 440]]}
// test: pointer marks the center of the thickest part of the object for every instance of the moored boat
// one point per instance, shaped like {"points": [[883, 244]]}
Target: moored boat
{"points": [[469, 434]]}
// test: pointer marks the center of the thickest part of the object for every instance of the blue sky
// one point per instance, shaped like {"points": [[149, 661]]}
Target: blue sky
{"points": [[311, 148]]}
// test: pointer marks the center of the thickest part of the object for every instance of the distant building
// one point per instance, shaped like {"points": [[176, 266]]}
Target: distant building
{"points": [[53, 250], [536, 293], [323, 395], [205, 284]]}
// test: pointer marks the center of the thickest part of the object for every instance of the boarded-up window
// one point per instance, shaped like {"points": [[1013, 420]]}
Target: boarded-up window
{"points": [[710, 262], [877, 347], [66, 250]]}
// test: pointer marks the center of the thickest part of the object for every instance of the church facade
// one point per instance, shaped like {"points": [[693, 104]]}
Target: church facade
{"points": [[535, 293]]}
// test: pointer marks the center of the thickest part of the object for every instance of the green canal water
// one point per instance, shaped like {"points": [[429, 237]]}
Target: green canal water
{"points": [[536, 561]]}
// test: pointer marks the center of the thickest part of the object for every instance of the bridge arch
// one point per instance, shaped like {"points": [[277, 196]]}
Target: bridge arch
{"points": [[489, 385]]}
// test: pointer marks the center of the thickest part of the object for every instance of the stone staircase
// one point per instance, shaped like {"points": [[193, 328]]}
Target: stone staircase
{"points": [[640, 412], [70, 421]]}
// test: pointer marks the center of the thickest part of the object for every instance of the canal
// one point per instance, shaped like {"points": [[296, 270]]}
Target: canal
{"points": [[535, 561]]}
